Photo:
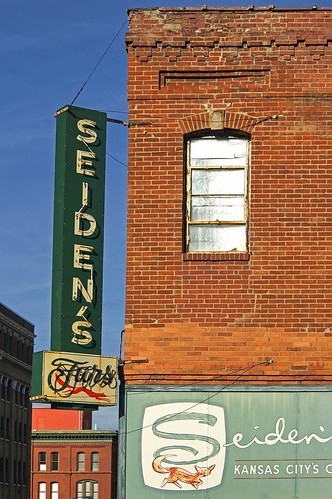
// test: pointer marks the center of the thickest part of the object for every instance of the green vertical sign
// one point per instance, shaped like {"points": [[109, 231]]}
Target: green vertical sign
{"points": [[78, 230]]}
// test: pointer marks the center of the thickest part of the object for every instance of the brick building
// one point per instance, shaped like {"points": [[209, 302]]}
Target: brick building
{"points": [[73, 464], [16, 347], [229, 254]]}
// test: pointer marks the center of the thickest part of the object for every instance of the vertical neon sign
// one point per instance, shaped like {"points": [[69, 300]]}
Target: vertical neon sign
{"points": [[78, 230]]}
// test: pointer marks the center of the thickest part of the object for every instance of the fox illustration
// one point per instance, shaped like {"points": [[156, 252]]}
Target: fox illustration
{"points": [[177, 475]]}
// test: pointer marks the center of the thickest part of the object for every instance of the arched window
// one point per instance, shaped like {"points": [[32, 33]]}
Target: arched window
{"points": [[54, 490], [217, 165], [87, 488], [42, 490]]}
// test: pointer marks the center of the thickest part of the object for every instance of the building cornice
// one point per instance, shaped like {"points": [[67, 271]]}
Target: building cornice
{"points": [[73, 435]]}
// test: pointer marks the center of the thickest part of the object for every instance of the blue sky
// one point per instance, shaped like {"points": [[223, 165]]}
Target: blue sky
{"points": [[47, 52]]}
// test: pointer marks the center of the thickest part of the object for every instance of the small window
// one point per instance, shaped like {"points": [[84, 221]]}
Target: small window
{"points": [[7, 471], [54, 461], [42, 490], [9, 391], [3, 388], [42, 461], [22, 394], [24, 473], [17, 394], [19, 472], [26, 397], [10, 344], [95, 461], [6, 342], [80, 461], [54, 490], [217, 193], [8, 429], [2, 427], [87, 488]]}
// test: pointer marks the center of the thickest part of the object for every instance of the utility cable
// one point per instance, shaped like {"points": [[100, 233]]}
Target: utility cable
{"points": [[96, 66], [207, 399], [117, 160]]}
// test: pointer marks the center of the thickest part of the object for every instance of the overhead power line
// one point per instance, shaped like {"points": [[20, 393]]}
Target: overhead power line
{"points": [[209, 397], [96, 66], [117, 160]]}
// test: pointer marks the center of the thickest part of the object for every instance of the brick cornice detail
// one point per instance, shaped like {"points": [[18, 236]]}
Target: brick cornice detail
{"points": [[231, 41]]}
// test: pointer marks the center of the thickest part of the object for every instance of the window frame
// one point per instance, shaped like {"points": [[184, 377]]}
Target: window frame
{"points": [[2, 469], [188, 221], [54, 461], [80, 461], [42, 461], [42, 493], [54, 490], [7, 471], [95, 461], [87, 487]]}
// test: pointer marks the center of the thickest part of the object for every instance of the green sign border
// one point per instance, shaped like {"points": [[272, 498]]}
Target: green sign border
{"points": [[307, 411], [79, 194]]}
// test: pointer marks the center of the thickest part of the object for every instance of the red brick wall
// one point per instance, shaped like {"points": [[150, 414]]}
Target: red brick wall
{"points": [[203, 317]]}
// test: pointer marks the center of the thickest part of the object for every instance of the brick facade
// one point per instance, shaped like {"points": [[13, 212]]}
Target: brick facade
{"points": [[16, 347], [200, 317], [67, 475]]}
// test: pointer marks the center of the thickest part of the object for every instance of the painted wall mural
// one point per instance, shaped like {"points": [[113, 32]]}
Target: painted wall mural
{"points": [[228, 444], [173, 451]]}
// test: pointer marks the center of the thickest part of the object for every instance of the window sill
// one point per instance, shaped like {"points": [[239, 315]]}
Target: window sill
{"points": [[242, 256]]}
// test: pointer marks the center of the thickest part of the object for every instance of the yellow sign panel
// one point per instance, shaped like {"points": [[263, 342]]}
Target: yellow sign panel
{"points": [[79, 378]]}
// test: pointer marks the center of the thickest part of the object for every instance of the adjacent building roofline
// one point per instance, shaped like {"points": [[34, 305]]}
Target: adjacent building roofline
{"points": [[10, 314], [74, 435]]}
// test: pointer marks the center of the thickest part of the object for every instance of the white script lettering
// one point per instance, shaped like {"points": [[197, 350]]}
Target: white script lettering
{"points": [[278, 436]]}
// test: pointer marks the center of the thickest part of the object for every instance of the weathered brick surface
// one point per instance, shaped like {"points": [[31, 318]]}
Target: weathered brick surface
{"points": [[202, 317]]}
